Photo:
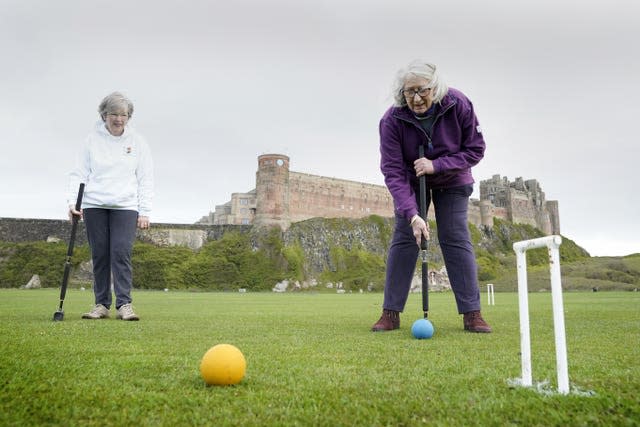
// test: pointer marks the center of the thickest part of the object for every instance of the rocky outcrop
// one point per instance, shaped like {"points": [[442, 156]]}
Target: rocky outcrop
{"points": [[318, 235]]}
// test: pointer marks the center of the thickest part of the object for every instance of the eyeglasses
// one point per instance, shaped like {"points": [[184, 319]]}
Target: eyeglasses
{"points": [[422, 92]]}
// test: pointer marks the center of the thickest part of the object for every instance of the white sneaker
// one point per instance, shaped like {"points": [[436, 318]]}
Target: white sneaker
{"points": [[125, 312], [97, 312]]}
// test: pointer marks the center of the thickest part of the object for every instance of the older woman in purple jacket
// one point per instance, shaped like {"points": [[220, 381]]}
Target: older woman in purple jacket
{"points": [[442, 120]]}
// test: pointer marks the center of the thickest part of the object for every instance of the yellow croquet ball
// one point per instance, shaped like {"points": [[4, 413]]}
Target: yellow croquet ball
{"points": [[223, 364]]}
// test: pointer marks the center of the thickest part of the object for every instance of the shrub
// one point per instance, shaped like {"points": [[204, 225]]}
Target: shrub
{"points": [[488, 267], [19, 261], [156, 267], [355, 268], [475, 233], [234, 262], [294, 256]]}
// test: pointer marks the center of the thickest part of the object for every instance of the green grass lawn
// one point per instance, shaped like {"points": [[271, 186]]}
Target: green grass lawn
{"points": [[311, 360]]}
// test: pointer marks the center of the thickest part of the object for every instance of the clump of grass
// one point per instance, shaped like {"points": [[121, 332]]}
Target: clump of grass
{"points": [[311, 360]]}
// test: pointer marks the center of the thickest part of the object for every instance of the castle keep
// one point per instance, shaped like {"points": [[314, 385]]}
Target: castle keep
{"points": [[521, 202], [282, 196]]}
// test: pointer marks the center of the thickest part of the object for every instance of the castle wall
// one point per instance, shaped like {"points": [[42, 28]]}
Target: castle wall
{"points": [[317, 196], [521, 209], [476, 212], [500, 213], [282, 197]]}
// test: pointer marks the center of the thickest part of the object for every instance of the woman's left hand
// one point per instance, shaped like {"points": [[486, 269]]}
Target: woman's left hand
{"points": [[423, 166], [143, 222]]}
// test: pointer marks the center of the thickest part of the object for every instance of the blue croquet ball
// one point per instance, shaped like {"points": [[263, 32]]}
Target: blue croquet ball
{"points": [[422, 329]]}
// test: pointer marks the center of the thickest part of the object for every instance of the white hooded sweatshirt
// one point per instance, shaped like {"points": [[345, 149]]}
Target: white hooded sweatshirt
{"points": [[117, 172]]}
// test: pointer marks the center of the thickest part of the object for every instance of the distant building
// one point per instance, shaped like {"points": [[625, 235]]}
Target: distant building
{"points": [[282, 196], [240, 210]]}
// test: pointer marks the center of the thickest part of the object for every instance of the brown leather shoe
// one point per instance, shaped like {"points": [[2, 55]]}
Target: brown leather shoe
{"points": [[389, 321], [473, 322]]}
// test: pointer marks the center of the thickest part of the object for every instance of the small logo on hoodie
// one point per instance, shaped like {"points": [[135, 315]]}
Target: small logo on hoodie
{"points": [[128, 150]]}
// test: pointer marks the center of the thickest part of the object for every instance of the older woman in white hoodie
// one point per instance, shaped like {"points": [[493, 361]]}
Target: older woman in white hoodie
{"points": [[116, 167]]}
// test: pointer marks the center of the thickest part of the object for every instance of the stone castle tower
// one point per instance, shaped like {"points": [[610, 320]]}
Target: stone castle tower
{"points": [[282, 197], [272, 191]]}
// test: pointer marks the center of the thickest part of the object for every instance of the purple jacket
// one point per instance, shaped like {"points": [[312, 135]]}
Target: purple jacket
{"points": [[456, 144]]}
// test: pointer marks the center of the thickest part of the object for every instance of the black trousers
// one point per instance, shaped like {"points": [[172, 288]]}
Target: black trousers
{"points": [[111, 233]]}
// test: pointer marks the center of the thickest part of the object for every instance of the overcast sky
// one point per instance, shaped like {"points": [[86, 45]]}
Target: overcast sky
{"points": [[555, 84]]}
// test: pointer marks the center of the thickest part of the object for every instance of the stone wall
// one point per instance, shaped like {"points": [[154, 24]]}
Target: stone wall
{"points": [[19, 230]]}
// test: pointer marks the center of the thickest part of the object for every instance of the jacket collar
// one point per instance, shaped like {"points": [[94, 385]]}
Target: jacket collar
{"points": [[405, 114], [101, 129]]}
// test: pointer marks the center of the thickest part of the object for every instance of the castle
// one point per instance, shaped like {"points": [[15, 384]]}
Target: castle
{"points": [[282, 196]]}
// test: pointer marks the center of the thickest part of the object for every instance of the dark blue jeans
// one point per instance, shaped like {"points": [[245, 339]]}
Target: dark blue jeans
{"points": [[111, 233], [450, 205]]}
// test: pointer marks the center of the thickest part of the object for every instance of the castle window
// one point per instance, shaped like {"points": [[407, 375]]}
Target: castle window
{"points": [[245, 221], [244, 201]]}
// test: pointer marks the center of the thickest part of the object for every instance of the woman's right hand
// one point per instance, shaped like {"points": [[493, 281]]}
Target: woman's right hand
{"points": [[73, 211], [420, 228]]}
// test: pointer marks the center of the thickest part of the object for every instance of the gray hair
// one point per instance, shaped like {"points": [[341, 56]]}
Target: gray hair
{"points": [[419, 69], [115, 102]]}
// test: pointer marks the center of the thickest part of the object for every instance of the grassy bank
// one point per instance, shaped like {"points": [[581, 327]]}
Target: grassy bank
{"points": [[311, 360]]}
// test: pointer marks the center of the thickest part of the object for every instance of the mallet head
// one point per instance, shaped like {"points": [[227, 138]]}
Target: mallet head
{"points": [[58, 316]]}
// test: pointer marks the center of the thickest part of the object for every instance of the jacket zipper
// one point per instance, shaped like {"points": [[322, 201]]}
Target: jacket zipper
{"points": [[429, 141]]}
